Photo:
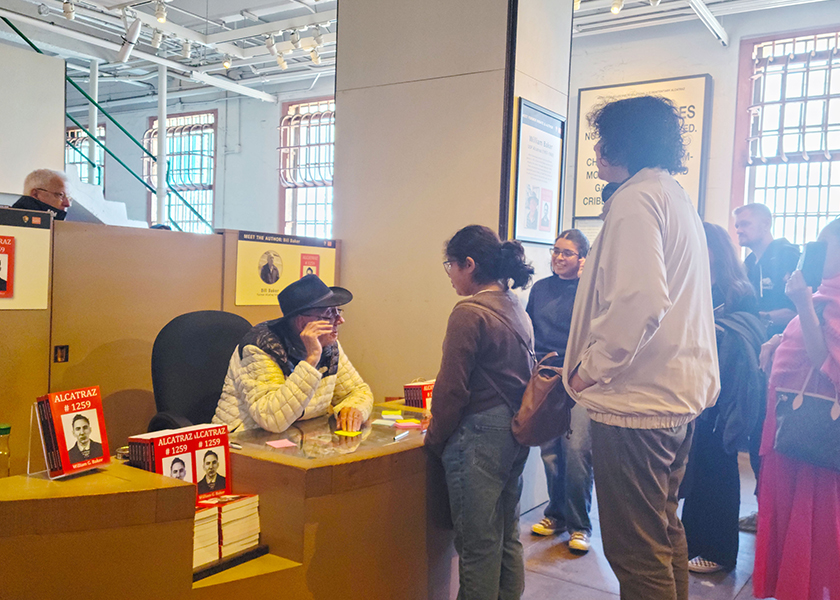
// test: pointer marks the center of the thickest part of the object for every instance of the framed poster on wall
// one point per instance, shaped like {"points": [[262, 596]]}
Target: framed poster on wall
{"points": [[693, 98], [539, 169]]}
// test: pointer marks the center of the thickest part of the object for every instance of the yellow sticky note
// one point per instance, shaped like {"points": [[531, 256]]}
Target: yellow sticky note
{"points": [[409, 421], [347, 433], [392, 412]]}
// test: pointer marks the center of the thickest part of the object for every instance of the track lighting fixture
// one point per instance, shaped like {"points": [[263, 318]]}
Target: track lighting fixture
{"points": [[129, 40], [186, 49], [318, 37], [654, 2], [577, 4], [617, 5], [160, 11], [157, 38], [316, 58], [69, 10], [294, 37], [281, 62], [271, 45], [226, 63]]}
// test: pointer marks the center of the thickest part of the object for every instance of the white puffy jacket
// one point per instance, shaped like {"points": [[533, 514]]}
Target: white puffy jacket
{"points": [[257, 394]]}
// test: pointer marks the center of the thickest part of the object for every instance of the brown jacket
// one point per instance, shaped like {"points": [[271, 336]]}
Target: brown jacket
{"points": [[476, 345]]}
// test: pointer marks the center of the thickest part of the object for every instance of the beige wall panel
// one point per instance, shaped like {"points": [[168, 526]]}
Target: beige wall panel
{"points": [[543, 44], [409, 174], [444, 39], [114, 289], [33, 114]]}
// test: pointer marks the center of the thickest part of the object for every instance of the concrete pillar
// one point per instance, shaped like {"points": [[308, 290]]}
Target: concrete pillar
{"points": [[93, 112], [161, 148]]}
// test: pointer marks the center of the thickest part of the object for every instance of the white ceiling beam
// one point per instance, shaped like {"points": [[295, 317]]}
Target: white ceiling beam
{"points": [[226, 84], [187, 34], [709, 20], [274, 27]]}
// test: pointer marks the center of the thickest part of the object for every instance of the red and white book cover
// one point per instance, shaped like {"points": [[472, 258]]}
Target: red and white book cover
{"points": [[73, 431], [310, 264], [7, 266], [199, 454]]}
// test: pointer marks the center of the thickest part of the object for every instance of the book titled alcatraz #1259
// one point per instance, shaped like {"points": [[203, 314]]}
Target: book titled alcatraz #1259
{"points": [[72, 428]]}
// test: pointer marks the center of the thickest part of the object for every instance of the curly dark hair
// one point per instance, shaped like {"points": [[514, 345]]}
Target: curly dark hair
{"points": [[640, 132], [494, 259]]}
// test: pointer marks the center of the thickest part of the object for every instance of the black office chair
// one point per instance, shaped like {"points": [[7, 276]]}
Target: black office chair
{"points": [[189, 362]]}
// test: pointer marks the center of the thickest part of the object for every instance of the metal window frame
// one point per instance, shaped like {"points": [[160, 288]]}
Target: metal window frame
{"points": [[77, 140]]}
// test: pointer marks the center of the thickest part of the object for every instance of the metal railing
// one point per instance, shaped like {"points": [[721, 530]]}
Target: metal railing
{"points": [[169, 186]]}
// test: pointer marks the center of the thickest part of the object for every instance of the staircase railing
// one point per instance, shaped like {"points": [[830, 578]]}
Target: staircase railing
{"points": [[96, 140]]}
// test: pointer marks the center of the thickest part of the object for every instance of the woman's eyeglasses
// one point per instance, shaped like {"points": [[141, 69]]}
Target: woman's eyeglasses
{"points": [[564, 253], [447, 265]]}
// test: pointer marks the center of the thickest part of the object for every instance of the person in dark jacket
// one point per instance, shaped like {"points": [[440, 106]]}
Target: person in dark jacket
{"points": [[712, 484], [45, 190], [486, 364]]}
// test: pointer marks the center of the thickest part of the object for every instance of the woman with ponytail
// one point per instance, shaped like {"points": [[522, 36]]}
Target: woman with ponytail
{"points": [[486, 364]]}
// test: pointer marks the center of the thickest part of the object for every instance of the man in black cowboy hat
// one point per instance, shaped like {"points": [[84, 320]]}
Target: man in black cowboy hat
{"points": [[294, 368]]}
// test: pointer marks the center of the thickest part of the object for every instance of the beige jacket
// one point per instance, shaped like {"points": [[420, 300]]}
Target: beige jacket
{"points": [[643, 328]]}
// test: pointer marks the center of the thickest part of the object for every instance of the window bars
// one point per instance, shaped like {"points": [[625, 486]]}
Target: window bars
{"points": [[191, 144], [794, 143], [80, 152]]}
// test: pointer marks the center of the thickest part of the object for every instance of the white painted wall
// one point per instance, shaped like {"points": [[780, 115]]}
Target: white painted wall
{"points": [[686, 49], [32, 109]]}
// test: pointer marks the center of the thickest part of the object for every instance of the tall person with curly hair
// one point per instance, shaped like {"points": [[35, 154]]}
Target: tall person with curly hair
{"points": [[641, 355], [485, 367]]}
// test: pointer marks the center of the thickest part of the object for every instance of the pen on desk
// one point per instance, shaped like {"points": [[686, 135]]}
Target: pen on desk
{"points": [[400, 436], [235, 446]]}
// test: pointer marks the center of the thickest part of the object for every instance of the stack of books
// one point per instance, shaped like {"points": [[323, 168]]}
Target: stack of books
{"points": [[199, 454], [205, 536], [239, 522]]}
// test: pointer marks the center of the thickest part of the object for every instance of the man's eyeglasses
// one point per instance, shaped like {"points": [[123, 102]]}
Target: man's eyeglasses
{"points": [[331, 314], [60, 195], [564, 253]]}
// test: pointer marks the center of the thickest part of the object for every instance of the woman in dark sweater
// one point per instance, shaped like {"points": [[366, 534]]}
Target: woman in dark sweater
{"points": [[567, 460], [485, 367]]}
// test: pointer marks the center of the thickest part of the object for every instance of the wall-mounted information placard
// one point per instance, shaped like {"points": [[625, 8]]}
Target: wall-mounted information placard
{"points": [[692, 97], [25, 250], [268, 262]]}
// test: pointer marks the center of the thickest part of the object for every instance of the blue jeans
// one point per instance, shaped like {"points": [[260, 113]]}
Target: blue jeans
{"points": [[568, 473], [483, 464]]}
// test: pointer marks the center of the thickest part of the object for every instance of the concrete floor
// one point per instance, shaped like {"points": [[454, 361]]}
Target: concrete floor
{"points": [[551, 571]]}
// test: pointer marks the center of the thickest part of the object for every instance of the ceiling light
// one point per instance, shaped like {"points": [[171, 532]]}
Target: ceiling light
{"points": [[186, 49], [129, 40], [271, 45], [654, 2], [281, 62], [710, 21], [157, 38], [319, 39], [294, 37], [226, 63], [69, 10], [316, 58], [160, 12], [577, 4], [617, 5]]}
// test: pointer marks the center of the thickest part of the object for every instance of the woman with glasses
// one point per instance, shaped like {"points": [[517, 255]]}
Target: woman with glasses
{"points": [[567, 459], [485, 367], [294, 368]]}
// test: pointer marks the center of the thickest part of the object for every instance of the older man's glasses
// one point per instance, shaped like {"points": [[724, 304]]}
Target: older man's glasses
{"points": [[331, 314], [60, 195], [555, 252]]}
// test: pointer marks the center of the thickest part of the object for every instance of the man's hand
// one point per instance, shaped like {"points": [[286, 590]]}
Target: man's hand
{"points": [[349, 419], [578, 384], [309, 336]]}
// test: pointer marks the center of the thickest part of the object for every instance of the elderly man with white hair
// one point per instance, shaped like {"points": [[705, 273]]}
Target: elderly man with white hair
{"points": [[45, 190]]}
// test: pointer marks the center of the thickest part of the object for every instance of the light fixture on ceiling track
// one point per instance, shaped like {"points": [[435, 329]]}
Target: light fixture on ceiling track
{"points": [[318, 36], [316, 58], [294, 37], [271, 45], [654, 2], [226, 63], [130, 38], [710, 21], [281, 62], [157, 38], [616, 7], [577, 4], [69, 10], [186, 49], [160, 11]]}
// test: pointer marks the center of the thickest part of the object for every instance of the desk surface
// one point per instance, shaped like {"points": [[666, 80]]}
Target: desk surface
{"points": [[316, 444]]}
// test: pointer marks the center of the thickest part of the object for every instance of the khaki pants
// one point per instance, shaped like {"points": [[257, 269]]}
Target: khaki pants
{"points": [[637, 477]]}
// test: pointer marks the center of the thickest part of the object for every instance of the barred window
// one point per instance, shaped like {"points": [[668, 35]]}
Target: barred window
{"points": [[191, 150], [80, 151], [794, 142], [307, 146]]}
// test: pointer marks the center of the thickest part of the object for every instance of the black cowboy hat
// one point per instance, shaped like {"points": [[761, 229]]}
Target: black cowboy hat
{"points": [[310, 292]]}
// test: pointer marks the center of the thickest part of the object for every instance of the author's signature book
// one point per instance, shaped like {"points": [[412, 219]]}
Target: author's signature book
{"points": [[73, 431]]}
